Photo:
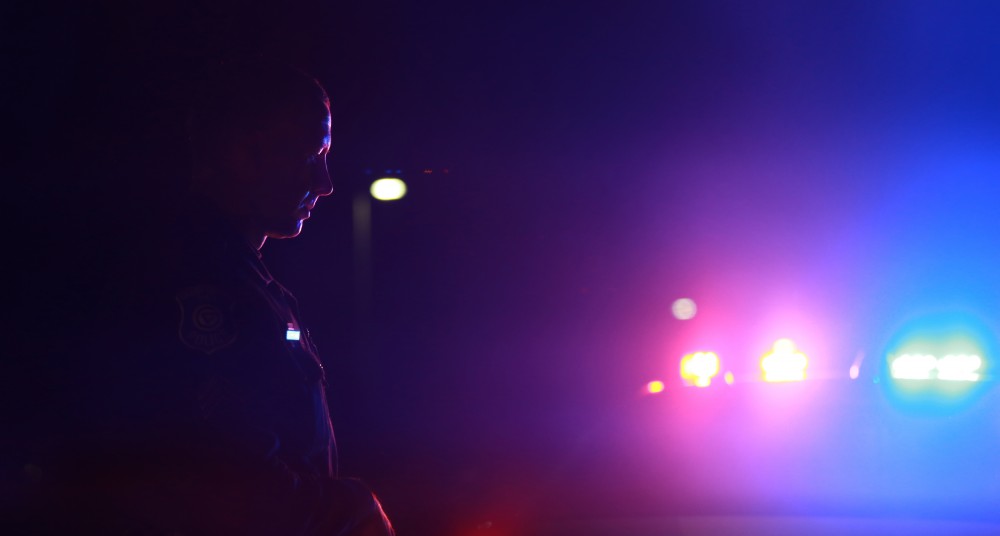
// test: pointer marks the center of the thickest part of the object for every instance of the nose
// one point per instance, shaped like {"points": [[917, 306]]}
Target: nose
{"points": [[322, 185]]}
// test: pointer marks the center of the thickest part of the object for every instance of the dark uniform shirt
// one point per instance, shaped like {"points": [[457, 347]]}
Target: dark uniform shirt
{"points": [[200, 406], [257, 369]]}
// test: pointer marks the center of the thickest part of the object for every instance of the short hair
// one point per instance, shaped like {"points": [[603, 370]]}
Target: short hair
{"points": [[242, 95]]}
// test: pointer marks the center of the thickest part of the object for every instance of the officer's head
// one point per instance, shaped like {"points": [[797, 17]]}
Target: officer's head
{"points": [[259, 134]]}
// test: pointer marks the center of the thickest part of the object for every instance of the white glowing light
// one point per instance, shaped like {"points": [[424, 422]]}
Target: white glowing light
{"points": [[684, 309], [855, 371], [951, 367], [913, 366], [699, 368], [784, 346], [784, 363], [293, 334], [959, 368], [388, 189]]}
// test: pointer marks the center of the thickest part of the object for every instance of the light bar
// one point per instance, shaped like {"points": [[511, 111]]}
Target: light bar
{"points": [[959, 368], [784, 363], [914, 366], [951, 367], [699, 368]]}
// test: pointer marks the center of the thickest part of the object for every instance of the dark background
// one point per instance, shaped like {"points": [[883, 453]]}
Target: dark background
{"points": [[826, 167]]}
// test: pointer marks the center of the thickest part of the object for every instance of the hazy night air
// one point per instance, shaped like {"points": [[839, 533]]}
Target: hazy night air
{"points": [[629, 209]]}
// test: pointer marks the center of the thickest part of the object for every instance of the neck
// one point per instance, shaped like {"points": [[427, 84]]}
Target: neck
{"points": [[237, 218], [251, 234]]}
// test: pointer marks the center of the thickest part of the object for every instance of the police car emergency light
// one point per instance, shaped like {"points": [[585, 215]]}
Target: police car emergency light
{"points": [[699, 368], [784, 363], [951, 367], [938, 363], [939, 348]]}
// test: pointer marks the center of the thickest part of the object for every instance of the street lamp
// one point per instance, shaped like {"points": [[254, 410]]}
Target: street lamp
{"points": [[388, 189]]}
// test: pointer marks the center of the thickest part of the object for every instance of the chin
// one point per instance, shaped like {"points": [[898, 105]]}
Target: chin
{"points": [[290, 231]]}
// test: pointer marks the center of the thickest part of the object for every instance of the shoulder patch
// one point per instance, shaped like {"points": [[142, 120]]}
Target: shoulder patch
{"points": [[206, 322]]}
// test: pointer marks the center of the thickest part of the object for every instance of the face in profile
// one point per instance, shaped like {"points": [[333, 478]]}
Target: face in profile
{"points": [[291, 173]]}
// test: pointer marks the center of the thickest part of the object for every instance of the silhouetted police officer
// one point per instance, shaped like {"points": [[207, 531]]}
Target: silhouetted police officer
{"points": [[197, 403]]}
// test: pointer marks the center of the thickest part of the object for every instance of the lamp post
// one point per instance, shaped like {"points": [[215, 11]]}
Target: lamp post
{"points": [[384, 189]]}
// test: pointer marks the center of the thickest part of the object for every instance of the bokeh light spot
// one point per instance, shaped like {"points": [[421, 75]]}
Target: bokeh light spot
{"points": [[784, 363], [388, 189], [959, 367], [913, 366], [655, 386], [937, 360], [699, 368], [684, 309], [951, 367]]}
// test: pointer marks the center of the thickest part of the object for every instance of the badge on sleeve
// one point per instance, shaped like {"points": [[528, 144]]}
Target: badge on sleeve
{"points": [[206, 321]]}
